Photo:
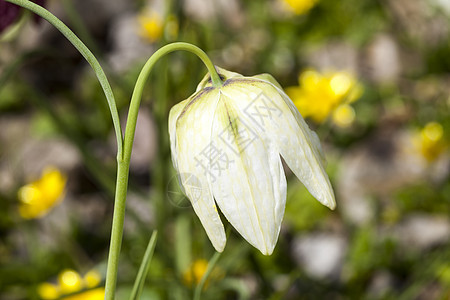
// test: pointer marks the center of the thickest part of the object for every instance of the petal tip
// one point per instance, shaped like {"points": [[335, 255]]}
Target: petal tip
{"points": [[266, 249], [267, 253], [331, 205], [330, 201], [219, 244]]}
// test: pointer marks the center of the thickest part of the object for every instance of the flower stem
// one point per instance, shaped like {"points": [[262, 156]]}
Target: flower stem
{"points": [[124, 145], [143, 76], [124, 161]]}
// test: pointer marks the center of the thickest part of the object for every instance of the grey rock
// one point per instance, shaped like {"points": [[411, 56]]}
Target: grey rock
{"points": [[321, 255], [383, 59], [335, 55], [207, 11], [128, 47], [376, 168], [421, 231]]}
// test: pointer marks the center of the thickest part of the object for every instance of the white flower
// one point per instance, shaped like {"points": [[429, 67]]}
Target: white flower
{"points": [[227, 143]]}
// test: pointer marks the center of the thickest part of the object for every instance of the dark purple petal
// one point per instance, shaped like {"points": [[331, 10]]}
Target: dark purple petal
{"points": [[8, 14]]}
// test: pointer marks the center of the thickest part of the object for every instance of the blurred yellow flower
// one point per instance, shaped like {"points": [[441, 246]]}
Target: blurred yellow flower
{"points": [[343, 115], [320, 95], [48, 291], [70, 287], [300, 7], [70, 281], [95, 294], [194, 274], [39, 197], [151, 25], [92, 279], [430, 141]]}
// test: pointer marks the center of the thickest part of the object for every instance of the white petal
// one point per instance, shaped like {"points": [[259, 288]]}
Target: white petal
{"points": [[247, 177], [173, 117], [192, 137], [275, 114], [315, 177]]}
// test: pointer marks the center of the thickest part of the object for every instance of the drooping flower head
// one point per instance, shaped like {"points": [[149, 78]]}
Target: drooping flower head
{"points": [[9, 13], [227, 143]]}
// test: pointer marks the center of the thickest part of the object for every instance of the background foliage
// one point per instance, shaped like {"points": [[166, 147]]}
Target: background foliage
{"points": [[388, 237]]}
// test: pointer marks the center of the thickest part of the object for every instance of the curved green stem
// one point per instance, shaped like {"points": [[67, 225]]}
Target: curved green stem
{"points": [[143, 76], [124, 145], [124, 161], [90, 58]]}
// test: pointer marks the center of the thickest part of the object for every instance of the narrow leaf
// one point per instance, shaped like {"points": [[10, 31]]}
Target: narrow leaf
{"points": [[144, 268]]}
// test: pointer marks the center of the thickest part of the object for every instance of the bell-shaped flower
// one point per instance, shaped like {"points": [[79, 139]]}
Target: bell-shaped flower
{"points": [[227, 143]]}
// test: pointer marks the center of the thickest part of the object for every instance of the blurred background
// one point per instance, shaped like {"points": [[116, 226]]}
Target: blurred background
{"points": [[371, 77]]}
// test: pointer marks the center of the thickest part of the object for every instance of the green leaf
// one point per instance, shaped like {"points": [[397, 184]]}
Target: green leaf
{"points": [[144, 268]]}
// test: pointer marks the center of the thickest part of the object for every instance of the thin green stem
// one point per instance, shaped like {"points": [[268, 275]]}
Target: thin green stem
{"points": [[201, 284], [124, 144], [124, 161], [117, 228], [90, 58]]}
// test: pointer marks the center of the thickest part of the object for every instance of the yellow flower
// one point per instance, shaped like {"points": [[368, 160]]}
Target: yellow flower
{"points": [[92, 278], [70, 287], [194, 274], [343, 115], [430, 141], [95, 294], [320, 95], [300, 7], [70, 281], [151, 25], [48, 291], [39, 197]]}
